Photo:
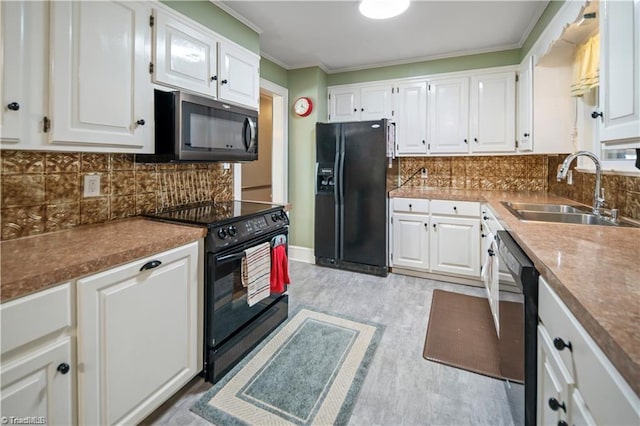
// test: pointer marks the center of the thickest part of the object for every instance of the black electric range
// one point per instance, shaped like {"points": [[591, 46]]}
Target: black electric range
{"points": [[232, 326]]}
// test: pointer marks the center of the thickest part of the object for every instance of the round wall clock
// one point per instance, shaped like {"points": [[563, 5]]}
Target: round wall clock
{"points": [[303, 106]]}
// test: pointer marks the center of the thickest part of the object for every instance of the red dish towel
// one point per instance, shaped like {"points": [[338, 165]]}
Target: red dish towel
{"points": [[279, 269]]}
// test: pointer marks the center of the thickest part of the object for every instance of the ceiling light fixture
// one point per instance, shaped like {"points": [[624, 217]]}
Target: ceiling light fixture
{"points": [[383, 9]]}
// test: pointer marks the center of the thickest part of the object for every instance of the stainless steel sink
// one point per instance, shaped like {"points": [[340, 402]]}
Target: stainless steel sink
{"points": [[561, 213], [557, 208]]}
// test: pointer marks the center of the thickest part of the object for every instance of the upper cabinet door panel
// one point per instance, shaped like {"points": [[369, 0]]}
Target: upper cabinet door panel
{"points": [[493, 112], [343, 105], [101, 93], [375, 103], [411, 129], [448, 121], [24, 72], [525, 106], [239, 75], [619, 69], [183, 56]]}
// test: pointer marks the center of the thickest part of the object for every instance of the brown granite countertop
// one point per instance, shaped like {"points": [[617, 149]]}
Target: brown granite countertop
{"points": [[594, 269], [34, 263]]}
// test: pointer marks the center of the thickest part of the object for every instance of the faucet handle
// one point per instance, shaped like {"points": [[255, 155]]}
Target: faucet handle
{"points": [[614, 215]]}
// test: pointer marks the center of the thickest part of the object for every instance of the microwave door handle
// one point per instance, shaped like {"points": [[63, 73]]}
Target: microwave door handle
{"points": [[249, 140]]}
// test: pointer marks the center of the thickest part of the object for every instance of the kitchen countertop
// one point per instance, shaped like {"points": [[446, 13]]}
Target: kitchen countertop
{"points": [[594, 269], [34, 263]]}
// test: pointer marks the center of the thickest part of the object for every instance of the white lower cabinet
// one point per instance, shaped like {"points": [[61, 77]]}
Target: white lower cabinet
{"points": [[40, 384], [455, 245], [137, 336], [577, 384], [38, 371], [410, 241], [436, 236]]}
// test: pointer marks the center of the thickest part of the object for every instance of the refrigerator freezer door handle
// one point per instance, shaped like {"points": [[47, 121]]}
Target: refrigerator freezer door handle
{"points": [[340, 226], [336, 178]]}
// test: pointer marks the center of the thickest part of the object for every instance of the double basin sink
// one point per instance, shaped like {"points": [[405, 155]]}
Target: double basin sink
{"points": [[561, 213]]}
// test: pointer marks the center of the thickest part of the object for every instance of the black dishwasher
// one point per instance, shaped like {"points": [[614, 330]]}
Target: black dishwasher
{"points": [[526, 276]]}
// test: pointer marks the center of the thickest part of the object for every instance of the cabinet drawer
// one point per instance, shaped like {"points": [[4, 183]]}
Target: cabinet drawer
{"points": [[411, 205], [34, 316], [455, 208], [609, 397]]}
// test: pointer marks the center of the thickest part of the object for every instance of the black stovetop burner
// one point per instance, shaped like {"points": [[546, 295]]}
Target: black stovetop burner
{"points": [[213, 214]]}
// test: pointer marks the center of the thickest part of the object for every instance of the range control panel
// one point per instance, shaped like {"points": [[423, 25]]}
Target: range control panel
{"points": [[242, 230]]}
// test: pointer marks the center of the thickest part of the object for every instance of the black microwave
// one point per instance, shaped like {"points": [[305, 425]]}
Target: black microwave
{"points": [[194, 128]]}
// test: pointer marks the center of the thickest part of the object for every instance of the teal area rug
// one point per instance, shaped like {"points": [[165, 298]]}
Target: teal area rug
{"points": [[309, 371]]}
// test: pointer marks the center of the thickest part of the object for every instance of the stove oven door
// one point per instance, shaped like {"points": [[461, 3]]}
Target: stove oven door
{"points": [[227, 310]]}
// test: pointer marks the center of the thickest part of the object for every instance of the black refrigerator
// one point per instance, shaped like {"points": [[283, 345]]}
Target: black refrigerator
{"points": [[354, 173]]}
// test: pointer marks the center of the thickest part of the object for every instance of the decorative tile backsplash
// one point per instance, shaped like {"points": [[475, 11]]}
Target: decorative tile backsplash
{"points": [[504, 173], [522, 173], [43, 192], [620, 192]]}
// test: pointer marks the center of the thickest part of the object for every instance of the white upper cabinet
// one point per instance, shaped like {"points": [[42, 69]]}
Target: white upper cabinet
{"points": [[361, 103], [492, 112], [239, 77], [343, 104], [24, 73], [619, 70], [411, 128], [101, 94], [183, 56], [525, 106], [448, 121], [375, 102]]}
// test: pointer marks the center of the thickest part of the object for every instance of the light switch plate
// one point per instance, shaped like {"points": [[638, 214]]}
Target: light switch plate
{"points": [[92, 185]]}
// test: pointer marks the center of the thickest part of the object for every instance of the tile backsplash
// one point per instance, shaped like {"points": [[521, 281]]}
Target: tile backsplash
{"points": [[43, 191], [504, 173], [620, 192], [522, 173]]}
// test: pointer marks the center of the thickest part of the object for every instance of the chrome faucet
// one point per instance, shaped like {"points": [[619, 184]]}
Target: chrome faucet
{"points": [[598, 195]]}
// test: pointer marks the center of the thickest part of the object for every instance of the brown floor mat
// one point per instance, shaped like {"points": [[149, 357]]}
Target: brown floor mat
{"points": [[461, 334]]}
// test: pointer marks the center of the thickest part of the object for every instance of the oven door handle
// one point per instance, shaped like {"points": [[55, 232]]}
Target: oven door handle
{"points": [[229, 257]]}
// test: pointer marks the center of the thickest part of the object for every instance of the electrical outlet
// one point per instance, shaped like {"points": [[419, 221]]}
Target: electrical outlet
{"points": [[92, 185], [425, 173]]}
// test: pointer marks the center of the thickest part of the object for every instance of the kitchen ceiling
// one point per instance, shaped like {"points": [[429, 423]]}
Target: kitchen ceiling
{"points": [[334, 36]]}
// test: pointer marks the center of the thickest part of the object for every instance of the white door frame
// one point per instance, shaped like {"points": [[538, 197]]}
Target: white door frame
{"points": [[279, 162]]}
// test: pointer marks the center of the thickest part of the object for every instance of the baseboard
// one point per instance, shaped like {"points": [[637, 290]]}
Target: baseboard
{"points": [[301, 254], [476, 282]]}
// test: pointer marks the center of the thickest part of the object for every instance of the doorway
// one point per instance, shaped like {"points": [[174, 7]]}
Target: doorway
{"points": [[256, 176], [279, 98]]}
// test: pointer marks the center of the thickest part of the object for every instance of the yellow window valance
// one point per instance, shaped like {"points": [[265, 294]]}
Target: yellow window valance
{"points": [[586, 66]]}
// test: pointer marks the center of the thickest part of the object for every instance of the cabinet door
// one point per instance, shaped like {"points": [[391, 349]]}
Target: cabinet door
{"points": [[411, 125], [344, 104], [410, 241], [239, 76], [137, 336], [101, 94], [554, 383], [525, 106], [375, 102], [448, 121], [455, 245], [619, 69], [24, 78], [33, 386], [492, 111], [183, 56]]}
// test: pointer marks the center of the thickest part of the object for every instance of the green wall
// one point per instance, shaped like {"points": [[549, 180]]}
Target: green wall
{"points": [[211, 16], [546, 17], [310, 82], [436, 66], [273, 72]]}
